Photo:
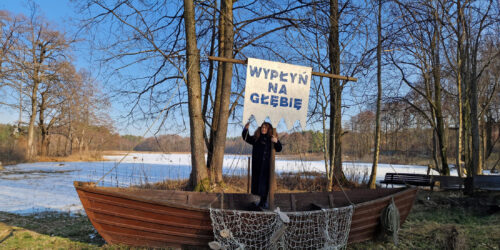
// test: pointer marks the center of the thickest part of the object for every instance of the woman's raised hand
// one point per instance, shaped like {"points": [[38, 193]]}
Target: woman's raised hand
{"points": [[247, 125], [274, 139]]}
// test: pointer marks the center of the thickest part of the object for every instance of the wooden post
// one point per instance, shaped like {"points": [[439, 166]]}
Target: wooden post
{"points": [[272, 178], [248, 175], [232, 60]]}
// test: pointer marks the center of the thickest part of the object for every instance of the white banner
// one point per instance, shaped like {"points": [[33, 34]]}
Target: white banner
{"points": [[276, 90]]}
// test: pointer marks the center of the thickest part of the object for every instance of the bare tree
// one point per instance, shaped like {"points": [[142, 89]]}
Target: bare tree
{"points": [[39, 49], [199, 171], [9, 28], [322, 47], [376, 147], [419, 44], [470, 27], [223, 89]]}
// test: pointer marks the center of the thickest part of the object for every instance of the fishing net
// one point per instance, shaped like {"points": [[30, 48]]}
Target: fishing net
{"points": [[320, 229]]}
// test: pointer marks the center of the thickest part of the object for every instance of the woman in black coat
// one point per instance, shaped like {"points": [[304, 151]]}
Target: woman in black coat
{"points": [[261, 141]]}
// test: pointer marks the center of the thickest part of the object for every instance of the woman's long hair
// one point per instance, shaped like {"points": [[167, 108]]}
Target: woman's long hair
{"points": [[269, 130]]}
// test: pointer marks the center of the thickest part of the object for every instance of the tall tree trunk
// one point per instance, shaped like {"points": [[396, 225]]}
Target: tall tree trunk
{"points": [[70, 140], [31, 150], [198, 175], [373, 176], [335, 153], [436, 72], [467, 145], [43, 129], [328, 166], [225, 93], [474, 115], [459, 89], [218, 92], [482, 143], [338, 134], [43, 143], [475, 128], [435, 149]]}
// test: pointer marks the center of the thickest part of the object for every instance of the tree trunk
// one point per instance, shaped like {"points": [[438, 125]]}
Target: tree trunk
{"points": [[198, 175], [328, 166], [218, 92], [482, 143], [459, 89], [31, 151], [458, 161], [43, 129], [225, 93], [436, 72], [435, 150], [335, 153], [70, 141], [373, 176], [475, 128]]}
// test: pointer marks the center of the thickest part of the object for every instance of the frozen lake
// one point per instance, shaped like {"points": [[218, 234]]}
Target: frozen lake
{"points": [[35, 187]]}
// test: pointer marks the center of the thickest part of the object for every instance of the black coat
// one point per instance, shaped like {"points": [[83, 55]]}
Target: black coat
{"points": [[261, 161]]}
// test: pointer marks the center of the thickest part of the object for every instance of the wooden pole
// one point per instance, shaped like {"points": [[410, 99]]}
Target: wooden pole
{"points": [[272, 178], [248, 175], [231, 60]]}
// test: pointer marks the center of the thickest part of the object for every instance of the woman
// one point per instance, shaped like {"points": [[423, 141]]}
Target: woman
{"points": [[261, 141]]}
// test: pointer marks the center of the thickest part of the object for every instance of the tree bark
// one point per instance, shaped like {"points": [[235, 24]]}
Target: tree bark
{"points": [[474, 128], [459, 88], [436, 73], [335, 153], [373, 176], [198, 175], [31, 151], [218, 92], [225, 93]]}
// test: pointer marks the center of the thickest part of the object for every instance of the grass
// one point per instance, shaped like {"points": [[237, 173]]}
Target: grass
{"points": [[75, 228], [50, 230], [77, 157], [439, 220], [447, 220]]}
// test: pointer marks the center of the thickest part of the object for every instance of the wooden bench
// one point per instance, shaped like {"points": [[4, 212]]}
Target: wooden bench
{"points": [[449, 182], [408, 179], [486, 182]]}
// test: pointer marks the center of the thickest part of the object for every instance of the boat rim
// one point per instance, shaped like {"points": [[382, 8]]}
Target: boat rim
{"points": [[91, 187]]}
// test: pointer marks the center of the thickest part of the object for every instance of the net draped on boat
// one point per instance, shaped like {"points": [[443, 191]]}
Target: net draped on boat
{"points": [[319, 229]]}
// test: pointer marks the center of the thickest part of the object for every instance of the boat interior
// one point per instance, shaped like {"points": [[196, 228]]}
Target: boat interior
{"points": [[288, 202]]}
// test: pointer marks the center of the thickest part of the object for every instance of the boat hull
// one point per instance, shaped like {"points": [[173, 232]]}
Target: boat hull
{"points": [[181, 219]]}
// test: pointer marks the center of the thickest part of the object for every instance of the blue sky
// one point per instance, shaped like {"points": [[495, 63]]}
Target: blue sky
{"points": [[63, 16]]}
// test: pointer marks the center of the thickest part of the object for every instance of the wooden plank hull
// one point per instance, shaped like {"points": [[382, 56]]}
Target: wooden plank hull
{"points": [[155, 218]]}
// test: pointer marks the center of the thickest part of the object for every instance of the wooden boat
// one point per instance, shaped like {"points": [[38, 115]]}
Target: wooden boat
{"points": [[180, 219]]}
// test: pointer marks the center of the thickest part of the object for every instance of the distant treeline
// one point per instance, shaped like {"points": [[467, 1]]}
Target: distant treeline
{"points": [[403, 145], [356, 144], [164, 143]]}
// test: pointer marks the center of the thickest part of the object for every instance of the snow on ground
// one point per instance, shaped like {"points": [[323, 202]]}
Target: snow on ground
{"points": [[34, 187]]}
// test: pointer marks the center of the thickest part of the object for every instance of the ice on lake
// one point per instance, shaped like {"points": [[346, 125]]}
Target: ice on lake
{"points": [[34, 187]]}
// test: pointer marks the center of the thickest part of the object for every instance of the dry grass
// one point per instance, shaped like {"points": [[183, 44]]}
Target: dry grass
{"points": [[78, 157], [12, 154], [286, 182]]}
